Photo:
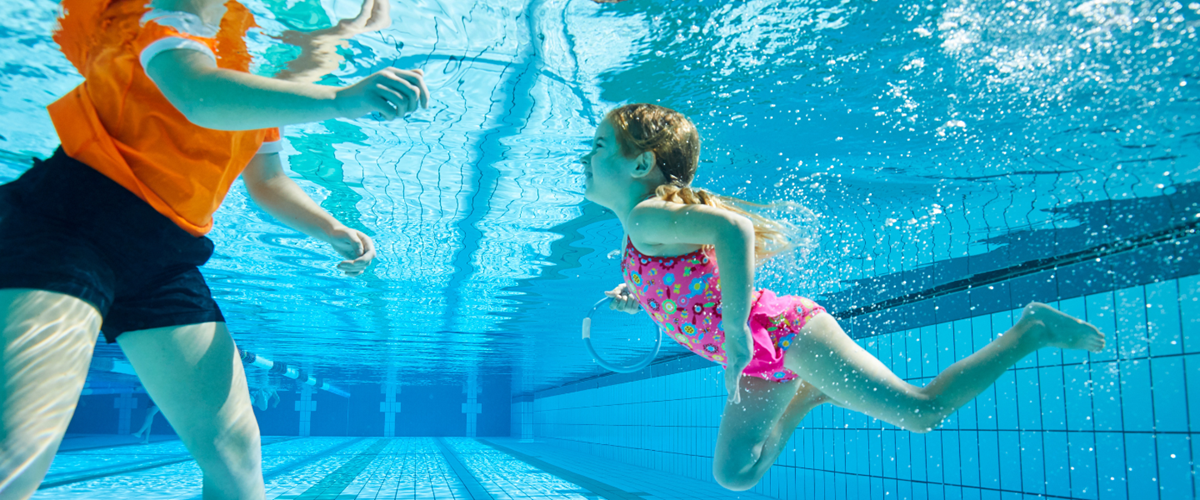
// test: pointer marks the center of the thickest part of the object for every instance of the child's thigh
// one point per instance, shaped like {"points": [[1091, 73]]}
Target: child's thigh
{"points": [[195, 377], [46, 341], [833, 362]]}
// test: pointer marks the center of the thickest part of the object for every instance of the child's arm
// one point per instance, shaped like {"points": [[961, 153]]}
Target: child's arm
{"points": [[732, 236], [224, 99], [279, 195]]}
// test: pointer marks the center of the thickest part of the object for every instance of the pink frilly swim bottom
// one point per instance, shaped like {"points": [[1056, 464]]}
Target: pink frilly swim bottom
{"points": [[774, 322]]}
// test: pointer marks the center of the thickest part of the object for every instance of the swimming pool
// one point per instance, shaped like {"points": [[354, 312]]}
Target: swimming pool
{"points": [[963, 158]]}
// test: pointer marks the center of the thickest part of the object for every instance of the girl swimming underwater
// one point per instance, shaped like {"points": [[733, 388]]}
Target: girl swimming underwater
{"points": [[108, 234], [689, 261]]}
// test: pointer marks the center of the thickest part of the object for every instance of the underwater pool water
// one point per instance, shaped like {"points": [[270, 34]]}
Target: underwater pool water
{"points": [[959, 159]]}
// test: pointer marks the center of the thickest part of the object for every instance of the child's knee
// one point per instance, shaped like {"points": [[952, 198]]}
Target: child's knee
{"points": [[244, 444], [231, 446], [232, 466], [738, 470], [734, 478], [924, 415], [929, 418]]}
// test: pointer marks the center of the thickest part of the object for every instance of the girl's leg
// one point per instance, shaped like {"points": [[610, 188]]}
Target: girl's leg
{"points": [[195, 377], [754, 432], [826, 357], [46, 340]]}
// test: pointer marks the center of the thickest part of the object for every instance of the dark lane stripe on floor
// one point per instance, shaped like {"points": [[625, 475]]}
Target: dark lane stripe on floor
{"points": [[474, 488], [125, 468], [284, 468], [335, 483], [162, 439], [301, 461], [116, 470], [596, 487]]}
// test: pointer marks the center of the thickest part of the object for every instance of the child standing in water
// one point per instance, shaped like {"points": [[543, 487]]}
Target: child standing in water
{"points": [[689, 261], [108, 234]]}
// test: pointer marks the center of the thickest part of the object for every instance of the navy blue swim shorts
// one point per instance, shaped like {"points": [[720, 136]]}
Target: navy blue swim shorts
{"points": [[66, 228]]}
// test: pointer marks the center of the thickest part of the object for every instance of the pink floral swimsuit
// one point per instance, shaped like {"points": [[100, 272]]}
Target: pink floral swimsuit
{"points": [[683, 296]]}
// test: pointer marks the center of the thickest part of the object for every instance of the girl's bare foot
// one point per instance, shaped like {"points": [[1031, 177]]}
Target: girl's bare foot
{"points": [[1053, 328]]}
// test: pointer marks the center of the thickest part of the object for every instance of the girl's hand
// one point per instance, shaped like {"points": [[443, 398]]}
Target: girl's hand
{"points": [[623, 300], [355, 246], [391, 92], [739, 348]]}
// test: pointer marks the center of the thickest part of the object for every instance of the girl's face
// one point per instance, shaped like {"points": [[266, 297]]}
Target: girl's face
{"points": [[607, 173]]}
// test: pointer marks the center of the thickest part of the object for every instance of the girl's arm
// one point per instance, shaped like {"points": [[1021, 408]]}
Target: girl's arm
{"points": [[732, 236], [279, 195], [223, 99]]}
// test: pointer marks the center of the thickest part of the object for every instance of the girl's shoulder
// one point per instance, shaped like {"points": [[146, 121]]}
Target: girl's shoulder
{"points": [[655, 207], [657, 227], [650, 215], [657, 210]]}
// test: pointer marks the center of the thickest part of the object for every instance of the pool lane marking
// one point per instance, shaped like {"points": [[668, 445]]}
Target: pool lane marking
{"points": [[334, 483], [125, 468], [164, 439], [475, 489], [595, 486], [309, 459], [281, 469]]}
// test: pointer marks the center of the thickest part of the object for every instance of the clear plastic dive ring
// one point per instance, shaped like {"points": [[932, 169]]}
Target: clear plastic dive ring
{"points": [[587, 340]]}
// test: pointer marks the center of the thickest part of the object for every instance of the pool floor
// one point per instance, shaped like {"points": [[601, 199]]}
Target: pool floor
{"points": [[344, 468]]}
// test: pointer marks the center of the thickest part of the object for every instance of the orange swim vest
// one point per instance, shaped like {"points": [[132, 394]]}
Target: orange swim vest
{"points": [[119, 123]]}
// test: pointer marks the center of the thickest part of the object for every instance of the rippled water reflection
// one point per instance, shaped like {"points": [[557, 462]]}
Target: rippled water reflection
{"points": [[916, 133]]}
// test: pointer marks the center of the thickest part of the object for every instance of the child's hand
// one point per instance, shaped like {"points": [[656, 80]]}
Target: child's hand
{"points": [[738, 351], [355, 246], [391, 92], [623, 300]]}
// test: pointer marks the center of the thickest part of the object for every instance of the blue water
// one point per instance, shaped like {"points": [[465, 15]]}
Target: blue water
{"points": [[933, 142]]}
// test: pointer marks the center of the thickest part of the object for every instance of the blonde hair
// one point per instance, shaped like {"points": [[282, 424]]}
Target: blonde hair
{"points": [[676, 146]]}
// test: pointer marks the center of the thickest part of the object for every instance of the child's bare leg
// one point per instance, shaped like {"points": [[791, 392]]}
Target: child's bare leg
{"points": [[195, 377], [806, 398], [1040, 326], [826, 357], [46, 342], [754, 432], [149, 421], [746, 427]]}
